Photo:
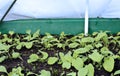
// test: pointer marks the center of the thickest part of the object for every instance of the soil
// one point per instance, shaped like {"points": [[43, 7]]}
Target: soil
{"points": [[55, 69], [11, 63]]}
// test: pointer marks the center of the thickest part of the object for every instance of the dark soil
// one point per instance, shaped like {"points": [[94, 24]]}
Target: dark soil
{"points": [[55, 69]]}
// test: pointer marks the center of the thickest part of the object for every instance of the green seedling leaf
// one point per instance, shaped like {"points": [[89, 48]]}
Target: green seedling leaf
{"points": [[44, 55], [28, 45], [117, 72], [66, 65], [80, 51], [94, 33], [33, 58], [77, 63], [52, 60], [90, 68], [87, 39], [16, 72], [98, 45], [36, 34], [96, 57], [73, 45], [2, 58], [15, 55], [28, 32], [118, 33], [62, 56], [68, 57], [4, 47], [45, 73], [108, 64], [30, 73], [71, 74], [100, 36], [19, 46], [62, 35], [105, 51], [11, 32], [83, 72], [3, 69]]}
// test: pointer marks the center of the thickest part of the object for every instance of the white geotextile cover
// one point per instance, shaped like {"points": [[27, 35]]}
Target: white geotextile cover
{"points": [[27, 9]]}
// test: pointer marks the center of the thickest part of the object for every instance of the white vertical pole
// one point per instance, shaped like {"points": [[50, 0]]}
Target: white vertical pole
{"points": [[86, 19]]}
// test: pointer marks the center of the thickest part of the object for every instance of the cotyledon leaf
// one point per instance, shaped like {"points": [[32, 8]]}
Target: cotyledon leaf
{"points": [[90, 68], [45, 73], [77, 63], [66, 65], [44, 55], [83, 72], [52, 60], [117, 72], [96, 57], [3, 69], [71, 74], [109, 64]]}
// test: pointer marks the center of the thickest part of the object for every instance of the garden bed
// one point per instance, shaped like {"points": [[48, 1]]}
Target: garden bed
{"points": [[29, 54]]}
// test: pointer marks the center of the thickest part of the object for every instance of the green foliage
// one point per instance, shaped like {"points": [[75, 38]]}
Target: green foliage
{"points": [[44, 55], [87, 40], [77, 63], [109, 64], [52, 60], [88, 70], [82, 72], [71, 74], [45, 73], [66, 65], [95, 56], [11, 32], [73, 45], [16, 72], [28, 45], [3, 69], [117, 72], [69, 51], [2, 58], [33, 58], [4, 47], [15, 55], [80, 51]]}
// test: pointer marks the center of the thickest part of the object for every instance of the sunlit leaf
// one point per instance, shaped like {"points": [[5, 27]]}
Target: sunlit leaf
{"points": [[3, 69], [77, 63], [68, 57], [90, 68], [15, 55], [73, 45], [2, 58], [52, 60], [28, 45], [83, 72], [96, 57], [44, 55], [109, 64], [45, 73], [4, 47], [117, 72], [66, 65], [71, 74], [33, 58], [87, 39]]}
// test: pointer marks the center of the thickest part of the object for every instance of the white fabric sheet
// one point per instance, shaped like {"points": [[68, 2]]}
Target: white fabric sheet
{"points": [[26, 9]]}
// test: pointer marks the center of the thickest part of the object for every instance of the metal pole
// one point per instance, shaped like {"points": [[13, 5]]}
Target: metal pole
{"points": [[86, 19], [7, 11]]}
